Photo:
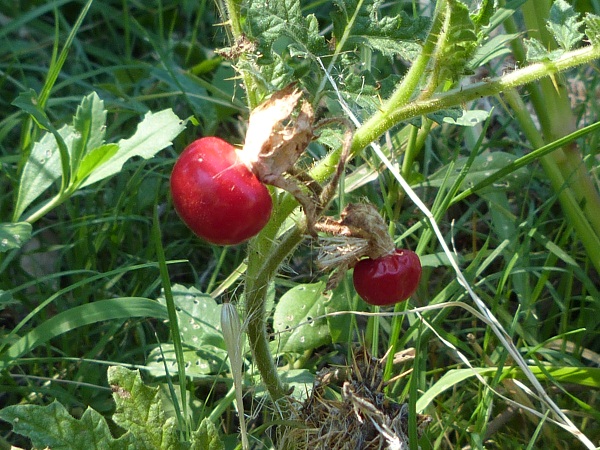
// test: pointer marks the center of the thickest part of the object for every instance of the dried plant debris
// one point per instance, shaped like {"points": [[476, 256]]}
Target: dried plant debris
{"points": [[279, 131], [360, 232], [361, 417]]}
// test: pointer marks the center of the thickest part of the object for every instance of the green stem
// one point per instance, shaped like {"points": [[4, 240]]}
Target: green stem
{"points": [[233, 12], [386, 118], [262, 267]]}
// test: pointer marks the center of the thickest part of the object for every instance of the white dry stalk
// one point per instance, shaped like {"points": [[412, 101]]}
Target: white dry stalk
{"points": [[234, 342], [490, 319]]}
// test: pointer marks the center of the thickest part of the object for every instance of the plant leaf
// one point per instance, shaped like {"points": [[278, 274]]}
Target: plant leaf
{"points": [[301, 304], [155, 132], [536, 51], [199, 362], [482, 168], [89, 313], [53, 427], [268, 21], [359, 23], [206, 437], [89, 124], [93, 160], [563, 24], [14, 235], [140, 410], [458, 43], [41, 169], [199, 317], [592, 28]]}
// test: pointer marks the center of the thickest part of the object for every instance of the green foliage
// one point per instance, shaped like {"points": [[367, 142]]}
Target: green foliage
{"points": [[298, 319], [592, 28], [53, 427], [361, 23], [457, 42], [564, 25], [86, 89], [78, 154], [199, 318], [139, 411]]}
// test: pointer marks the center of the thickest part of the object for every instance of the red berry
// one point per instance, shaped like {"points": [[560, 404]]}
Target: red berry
{"points": [[389, 279], [216, 195]]}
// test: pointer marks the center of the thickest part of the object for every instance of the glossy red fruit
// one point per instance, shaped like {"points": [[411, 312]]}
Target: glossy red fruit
{"points": [[389, 279], [216, 195]]}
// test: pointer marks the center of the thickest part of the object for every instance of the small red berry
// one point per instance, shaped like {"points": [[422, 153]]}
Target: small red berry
{"points": [[216, 195], [387, 280]]}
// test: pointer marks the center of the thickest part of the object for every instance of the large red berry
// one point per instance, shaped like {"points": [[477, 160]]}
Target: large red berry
{"points": [[216, 195], [389, 279]]}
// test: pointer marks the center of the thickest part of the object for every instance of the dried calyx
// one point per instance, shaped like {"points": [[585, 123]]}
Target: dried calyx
{"points": [[279, 131], [360, 232]]}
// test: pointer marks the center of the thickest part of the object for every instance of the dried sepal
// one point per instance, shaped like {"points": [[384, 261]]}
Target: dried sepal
{"points": [[275, 139], [279, 131], [360, 232]]}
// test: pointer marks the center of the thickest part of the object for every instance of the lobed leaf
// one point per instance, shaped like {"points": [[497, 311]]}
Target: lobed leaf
{"points": [[359, 23], [206, 437], [458, 44], [53, 427], [268, 21], [592, 28], [140, 410], [564, 25]]}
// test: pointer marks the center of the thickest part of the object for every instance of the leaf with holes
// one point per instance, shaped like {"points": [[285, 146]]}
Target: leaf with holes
{"points": [[294, 319]]}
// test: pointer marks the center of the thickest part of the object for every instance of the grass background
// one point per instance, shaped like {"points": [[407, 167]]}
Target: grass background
{"points": [[141, 56]]}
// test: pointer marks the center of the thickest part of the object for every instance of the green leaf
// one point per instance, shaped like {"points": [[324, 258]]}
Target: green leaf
{"points": [[199, 317], [14, 235], [53, 427], [155, 132], [268, 21], [360, 22], [79, 316], [206, 437], [42, 169], [89, 124], [457, 43], [94, 159], [483, 167], [563, 24], [536, 51], [494, 48], [199, 362], [482, 17], [592, 28], [297, 306], [469, 118], [340, 326], [140, 410], [585, 376]]}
